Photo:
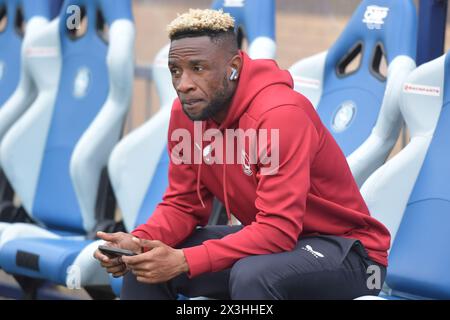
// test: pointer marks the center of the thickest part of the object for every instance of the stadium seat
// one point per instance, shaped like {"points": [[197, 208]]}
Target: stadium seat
{"points": [[20, 21], [410, 193], [355, 98], [55, 154], [14, 15], [138, 166], [254, 21]]}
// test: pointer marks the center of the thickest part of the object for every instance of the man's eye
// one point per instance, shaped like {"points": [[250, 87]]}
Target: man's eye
{"points": [[175, 72], [198, 68]]}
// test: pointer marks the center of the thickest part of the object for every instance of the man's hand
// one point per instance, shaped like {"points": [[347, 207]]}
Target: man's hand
{"points": [[160, 264], [122, 240]]}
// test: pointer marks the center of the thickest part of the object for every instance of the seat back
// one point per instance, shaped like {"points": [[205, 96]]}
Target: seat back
{"points": [[56, 170], [20, 21], [387, 191], [15, 15], [254, 20], [11, 17], [420, 254], [139, 164], [347, 83]]}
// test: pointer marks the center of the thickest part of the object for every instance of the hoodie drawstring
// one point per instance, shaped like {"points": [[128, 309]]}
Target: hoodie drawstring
{"points": [[199, 172], [225, 194], [224, 178], [199, 195]]}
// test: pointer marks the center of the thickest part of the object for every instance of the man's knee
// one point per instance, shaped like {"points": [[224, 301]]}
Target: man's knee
{"points": [[128, 290], [135, 290], [250, 280]]}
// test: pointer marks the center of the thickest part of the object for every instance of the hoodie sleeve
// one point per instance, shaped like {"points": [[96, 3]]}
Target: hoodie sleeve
{"points": [[281, 196], [181, 210]]}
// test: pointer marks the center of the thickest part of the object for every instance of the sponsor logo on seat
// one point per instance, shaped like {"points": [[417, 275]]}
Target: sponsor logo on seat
{"points": [[41, 52], [343, 116], [422, 89], [305, 82], [374, 16], [81, 83]]}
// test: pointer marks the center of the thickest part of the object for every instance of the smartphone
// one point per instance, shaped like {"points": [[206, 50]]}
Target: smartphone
{"points": [[112, 252]]}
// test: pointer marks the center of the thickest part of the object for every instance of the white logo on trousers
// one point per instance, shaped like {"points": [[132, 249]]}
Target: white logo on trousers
{"points": [[316, 254]]}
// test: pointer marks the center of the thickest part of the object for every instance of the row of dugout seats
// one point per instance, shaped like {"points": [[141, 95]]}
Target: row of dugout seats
{"points": [[55, 154], [409, 193]]}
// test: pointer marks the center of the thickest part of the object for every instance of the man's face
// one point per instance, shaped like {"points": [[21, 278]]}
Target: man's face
{"points": [[199, 75]]}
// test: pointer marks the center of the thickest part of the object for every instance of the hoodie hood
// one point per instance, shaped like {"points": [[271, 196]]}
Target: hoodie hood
{"points": [[255, 75]]}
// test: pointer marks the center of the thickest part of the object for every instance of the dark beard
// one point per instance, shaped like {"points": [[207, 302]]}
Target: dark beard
{"points": [[219, 102]]}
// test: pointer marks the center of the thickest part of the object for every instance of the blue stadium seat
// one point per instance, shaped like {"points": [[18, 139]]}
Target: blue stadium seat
{"points": [[23, 19], [255, 21], [11, 34], [20, 20], [138, 166], [54, 155], [356, 100], [410, 193]]}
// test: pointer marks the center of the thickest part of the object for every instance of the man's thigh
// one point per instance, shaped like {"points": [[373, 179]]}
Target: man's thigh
{"points": [[318, 268], [200, 235]]}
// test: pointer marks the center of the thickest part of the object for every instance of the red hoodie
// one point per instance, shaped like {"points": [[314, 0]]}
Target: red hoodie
{"points": [[313, 192]]}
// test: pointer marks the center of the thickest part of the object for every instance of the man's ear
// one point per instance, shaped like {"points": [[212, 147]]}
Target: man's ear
{"points": [[236, 63]]}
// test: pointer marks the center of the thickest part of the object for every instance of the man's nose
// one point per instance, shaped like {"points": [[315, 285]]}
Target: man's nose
{"points": [[185, 84]]}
